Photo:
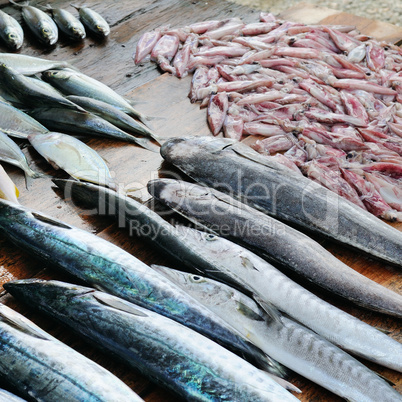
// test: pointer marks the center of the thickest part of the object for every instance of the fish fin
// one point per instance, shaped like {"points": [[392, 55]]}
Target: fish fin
{"points": [[247, 263], [285, 384], [22, 324], [146, 143], [78, 8], [118, 304], [50, 221], [386, 379], [271, 311], [248, 312], [17, 192], [133, 102], [384, 331]]}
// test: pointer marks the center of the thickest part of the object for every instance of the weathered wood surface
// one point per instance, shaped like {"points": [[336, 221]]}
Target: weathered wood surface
{"points": [[110, 61]]}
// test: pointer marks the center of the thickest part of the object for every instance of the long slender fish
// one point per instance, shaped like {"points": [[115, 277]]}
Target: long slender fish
{"points": [[227, 261], [43, 368], [16, 123], [41, 25], [31, 93], [86, 123], [10, 31], [6, 396], [93, 21], [298, 348], [281, 244], [67, 23], [107, 267], [80, 161], [176, 356], [29, 65], [276, 191], [11, 153], [113, 115], [75, 83], [8, 190]]}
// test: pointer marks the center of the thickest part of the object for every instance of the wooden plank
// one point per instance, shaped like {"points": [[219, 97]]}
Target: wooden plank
{"points": [[165, 97]]}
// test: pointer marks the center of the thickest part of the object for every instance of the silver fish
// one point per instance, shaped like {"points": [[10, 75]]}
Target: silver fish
{"points": [[41, 25], [87, 123], [10, 31], [113, 115], [74, 83], [293, 345], [176, 356], [227, 261], [93, 21], [67, 23], [108, 267], [16, 123], [30, 92], [273, 189], [43, 368], [76, 158], [11, 153], [29, 65], [280, 243]]}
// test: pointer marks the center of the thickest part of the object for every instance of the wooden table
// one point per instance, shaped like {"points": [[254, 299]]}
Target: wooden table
{"points": [[111, 62]]}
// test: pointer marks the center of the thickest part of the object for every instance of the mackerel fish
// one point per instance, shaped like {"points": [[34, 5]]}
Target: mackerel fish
{"points": [[43, 368], [41, 25], [67, 23], [226, 261], [280, 243], [74, 83], [93, 21], [107, 267], [176, 356], [293, 345], [10, 31], [236, 169]]}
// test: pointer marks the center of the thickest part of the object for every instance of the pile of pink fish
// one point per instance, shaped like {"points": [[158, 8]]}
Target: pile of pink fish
{"points": [[328, 99]]}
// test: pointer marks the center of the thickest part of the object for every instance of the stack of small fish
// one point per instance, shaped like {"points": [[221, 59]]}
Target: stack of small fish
{"points": [[46, 29], [327, 95], [74, 103]]}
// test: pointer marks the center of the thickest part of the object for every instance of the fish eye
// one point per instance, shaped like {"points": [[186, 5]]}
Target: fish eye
{"points": [[12, 35], [45, 30], [210, 237], [197, 279]]}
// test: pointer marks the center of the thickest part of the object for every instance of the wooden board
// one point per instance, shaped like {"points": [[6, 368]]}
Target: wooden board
{"points": [[111, 62]]}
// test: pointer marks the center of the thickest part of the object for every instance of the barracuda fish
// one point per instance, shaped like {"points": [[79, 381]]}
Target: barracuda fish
{"points": [[75, 83], [229, 262], [41, 367], [93, 21], [8, 190], [67, 23], [29, 92], [6, 396], [162, 349], [298, 348], [280, 243], [113, 115], [10, 31], [11, 153], [29, 65], [107, 267], [16, 123], [41, 25], [86, 123], [273, 189], [68, 153]]}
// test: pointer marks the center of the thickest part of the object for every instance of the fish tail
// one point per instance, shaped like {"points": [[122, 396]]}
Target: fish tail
{"points": [[73, 5], [30, 175], [19, 5], [145, 143]]}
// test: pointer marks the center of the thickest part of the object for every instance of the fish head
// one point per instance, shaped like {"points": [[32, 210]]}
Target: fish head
{"points": [[49, 294], [200, 287], [102, 29], [78, 31], [14, 40], [179, 195], [184, 149], [48, 34], [55, 75]]}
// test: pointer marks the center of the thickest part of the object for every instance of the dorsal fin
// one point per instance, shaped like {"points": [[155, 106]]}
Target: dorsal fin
{"points": [[118, 304]]}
